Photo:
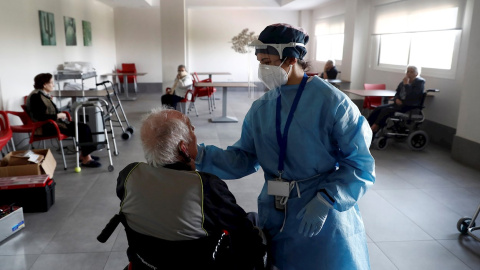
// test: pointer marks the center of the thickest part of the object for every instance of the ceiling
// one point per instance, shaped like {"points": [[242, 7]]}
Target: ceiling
{"points": [[254, 4]]}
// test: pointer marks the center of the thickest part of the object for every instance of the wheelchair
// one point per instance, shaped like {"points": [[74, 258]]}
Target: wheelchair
{"points": [[214, 252], [405, 126]]}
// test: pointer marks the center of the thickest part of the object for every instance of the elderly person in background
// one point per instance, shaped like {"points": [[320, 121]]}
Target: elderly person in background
{"points": [[40, 107], [167, 199], [183, 82], [329, 71], [409, 94]]}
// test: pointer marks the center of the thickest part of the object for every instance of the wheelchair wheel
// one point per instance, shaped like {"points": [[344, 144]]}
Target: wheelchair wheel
{"points": [[381, 143], [418, 140]]}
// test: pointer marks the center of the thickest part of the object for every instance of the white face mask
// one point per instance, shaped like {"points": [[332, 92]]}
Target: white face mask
{"points": [[273, 76]]}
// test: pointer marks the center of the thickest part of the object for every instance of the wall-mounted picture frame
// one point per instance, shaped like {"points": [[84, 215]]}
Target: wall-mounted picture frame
{"points": [[87, 33], [70, 31], [47, 28]]}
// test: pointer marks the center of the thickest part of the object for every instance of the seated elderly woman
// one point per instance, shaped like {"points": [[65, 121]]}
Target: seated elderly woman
{"points": [[409, 94], [167, 202]]}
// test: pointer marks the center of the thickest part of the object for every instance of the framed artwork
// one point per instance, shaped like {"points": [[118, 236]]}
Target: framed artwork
{"points": [[47, 28], [70, 31], [87, 33]]}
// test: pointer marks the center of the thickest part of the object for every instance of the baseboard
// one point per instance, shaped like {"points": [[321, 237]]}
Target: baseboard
{"points": [[439, 134], [150, 88], [466, 152]]}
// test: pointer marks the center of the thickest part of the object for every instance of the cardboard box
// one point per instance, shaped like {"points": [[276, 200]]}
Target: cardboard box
{"points": [[35, 193], [47, 166], [11, 223]]}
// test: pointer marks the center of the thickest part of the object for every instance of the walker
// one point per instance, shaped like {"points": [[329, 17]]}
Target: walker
{"points": [[127, 132], [466, 225], [104, 132]]}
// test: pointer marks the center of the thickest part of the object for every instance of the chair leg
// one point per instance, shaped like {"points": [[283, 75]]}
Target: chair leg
{"points": [[13, 144], [63, 155]]}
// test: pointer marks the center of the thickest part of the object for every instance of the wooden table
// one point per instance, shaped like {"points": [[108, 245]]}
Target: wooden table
{"points": [[125, 81], [224, 118]]}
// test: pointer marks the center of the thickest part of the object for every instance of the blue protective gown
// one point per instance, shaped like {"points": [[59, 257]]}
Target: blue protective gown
{"points": [[327, 130]]}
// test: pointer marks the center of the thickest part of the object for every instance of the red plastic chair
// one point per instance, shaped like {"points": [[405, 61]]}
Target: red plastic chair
{"points": [[371, 103], [30, 127], [208, 92], [128, 68], [5, 132]]}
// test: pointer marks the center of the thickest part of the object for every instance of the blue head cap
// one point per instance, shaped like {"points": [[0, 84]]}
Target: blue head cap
{"points": [[281, 33]]}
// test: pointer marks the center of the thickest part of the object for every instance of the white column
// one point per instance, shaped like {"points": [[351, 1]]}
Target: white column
{"points": [[174, 38]]}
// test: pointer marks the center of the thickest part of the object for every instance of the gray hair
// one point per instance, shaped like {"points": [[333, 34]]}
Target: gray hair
{"points": [[417, 69], [331, 61], [181, 66], [161, 134]]}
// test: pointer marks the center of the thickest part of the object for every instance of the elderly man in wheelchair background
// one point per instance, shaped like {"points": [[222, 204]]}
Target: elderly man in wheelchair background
{"points": [[176, 217], [402, 118]]}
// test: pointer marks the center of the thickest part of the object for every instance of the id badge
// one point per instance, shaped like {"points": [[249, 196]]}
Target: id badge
{"points": [[278, 188]]}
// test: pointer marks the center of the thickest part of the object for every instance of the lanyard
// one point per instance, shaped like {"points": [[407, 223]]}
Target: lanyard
{"points": [[282, 140]]}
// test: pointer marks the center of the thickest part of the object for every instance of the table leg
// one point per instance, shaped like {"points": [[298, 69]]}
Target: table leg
{"points": [[125, 86], [224, 118]]}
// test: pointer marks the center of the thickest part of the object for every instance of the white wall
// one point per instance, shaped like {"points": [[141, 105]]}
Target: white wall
{"points": [[137, 38], [23, 56], [469, 109], [211, 30]]}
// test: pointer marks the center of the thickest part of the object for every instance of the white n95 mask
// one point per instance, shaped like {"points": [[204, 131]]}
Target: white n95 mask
{"points": [[273, 76]]}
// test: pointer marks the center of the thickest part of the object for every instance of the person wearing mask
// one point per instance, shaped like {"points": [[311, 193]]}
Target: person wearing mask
{"points": [[166, 201], [409, 94], [183, 82], [40, 107], [313, 146], [329, 71]]}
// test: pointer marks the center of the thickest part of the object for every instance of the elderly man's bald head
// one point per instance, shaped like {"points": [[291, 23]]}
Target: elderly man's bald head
{"points": [[162, 133]]}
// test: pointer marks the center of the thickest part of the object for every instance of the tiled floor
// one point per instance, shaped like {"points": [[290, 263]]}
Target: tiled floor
{"points": [[410, 214]]}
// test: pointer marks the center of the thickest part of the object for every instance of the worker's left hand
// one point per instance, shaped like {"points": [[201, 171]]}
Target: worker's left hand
{"points": [[313, 216]]}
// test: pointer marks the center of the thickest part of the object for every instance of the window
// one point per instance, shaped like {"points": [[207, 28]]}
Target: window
{"points": [[329, 38], [426, 49], [426, 34]]}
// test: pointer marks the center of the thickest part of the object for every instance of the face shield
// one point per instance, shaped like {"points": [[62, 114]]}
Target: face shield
{"points": [[269, 48]]}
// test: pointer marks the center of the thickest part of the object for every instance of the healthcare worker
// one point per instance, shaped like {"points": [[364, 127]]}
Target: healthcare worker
{"points": [[313, 146]]}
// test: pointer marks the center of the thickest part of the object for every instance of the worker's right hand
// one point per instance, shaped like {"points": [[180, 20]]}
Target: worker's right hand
{"points": [[61, 116], [313, 216]]}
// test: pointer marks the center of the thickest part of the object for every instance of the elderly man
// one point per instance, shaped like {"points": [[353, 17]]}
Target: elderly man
{"points": [[167, 204], [329, 71]]}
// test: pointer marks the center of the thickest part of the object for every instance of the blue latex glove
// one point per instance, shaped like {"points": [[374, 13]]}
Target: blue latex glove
{"points": [[313, 216]]}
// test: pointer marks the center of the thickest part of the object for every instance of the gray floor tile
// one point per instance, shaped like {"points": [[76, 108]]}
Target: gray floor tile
{"points": [[421, 255], [378, 260], [383, 222], [429, 214], [75, 261], [17, 262], [116, 261], [466, 249]]}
